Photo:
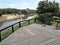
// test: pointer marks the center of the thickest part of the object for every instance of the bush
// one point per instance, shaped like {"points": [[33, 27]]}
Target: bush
{"points": [[36, 16], [0, 14], [46, 18]]}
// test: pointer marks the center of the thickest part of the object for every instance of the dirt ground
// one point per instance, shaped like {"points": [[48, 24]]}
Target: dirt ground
{"points": [[9, 17]]}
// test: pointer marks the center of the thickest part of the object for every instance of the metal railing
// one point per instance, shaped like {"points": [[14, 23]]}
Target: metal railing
{"points": [[12, 26]]}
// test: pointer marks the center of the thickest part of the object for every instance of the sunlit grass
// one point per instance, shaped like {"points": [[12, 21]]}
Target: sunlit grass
{"points": [[31, 21], [25, 23], [54, 23]]}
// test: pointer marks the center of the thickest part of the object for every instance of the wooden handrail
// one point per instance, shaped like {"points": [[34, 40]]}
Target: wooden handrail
{"points": [[9, 26]]}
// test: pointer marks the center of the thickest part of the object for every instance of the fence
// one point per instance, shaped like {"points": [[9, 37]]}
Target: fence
{"points": [[12, 27]]}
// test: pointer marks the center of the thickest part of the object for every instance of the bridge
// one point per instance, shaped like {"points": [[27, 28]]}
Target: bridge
{"points": [[34, 34]]}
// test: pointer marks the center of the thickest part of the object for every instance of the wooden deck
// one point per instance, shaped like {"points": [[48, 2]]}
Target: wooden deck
{"points": [[34, 34]]}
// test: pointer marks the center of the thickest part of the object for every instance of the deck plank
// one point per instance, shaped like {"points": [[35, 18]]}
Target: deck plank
{"points": [[34, 34]]}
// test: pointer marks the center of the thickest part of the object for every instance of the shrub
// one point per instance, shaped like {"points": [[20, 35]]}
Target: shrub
{"points": [[46, 18], [0, 14]]}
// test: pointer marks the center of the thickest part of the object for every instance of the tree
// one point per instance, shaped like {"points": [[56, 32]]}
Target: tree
{"points": [[0, 13], [57, 14], [44, 7], [47, 9], [24, 12]]}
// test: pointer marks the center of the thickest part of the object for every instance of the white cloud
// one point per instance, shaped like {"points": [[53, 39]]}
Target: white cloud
{"points": [[25, 4], [40, 0], [12, 5], [58, 1]]}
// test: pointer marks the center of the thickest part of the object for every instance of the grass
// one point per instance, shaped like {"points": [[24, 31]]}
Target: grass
{"points": [[54, 23], [7, 32], [16, 27], [25, 23], [32, 21]]}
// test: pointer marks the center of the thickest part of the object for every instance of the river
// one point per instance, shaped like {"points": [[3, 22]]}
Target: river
{"points": [[7, 23]]}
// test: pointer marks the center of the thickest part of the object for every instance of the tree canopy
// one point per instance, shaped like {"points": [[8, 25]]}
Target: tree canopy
{"points": [[16, 11], [44, 7], [46, 10], [0, 13]]}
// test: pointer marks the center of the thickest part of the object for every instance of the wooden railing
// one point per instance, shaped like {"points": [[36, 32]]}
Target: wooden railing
{"points": [[12, 26]]}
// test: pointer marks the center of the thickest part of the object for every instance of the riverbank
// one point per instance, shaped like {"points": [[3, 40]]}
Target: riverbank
{"points": [[9, 17]]}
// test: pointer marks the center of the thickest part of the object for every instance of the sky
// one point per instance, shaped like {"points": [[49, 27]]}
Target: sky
{"points": [[21, 4]]}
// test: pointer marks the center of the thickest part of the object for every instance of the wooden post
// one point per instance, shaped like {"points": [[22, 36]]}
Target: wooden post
{"points": [[12, 29], [28, 22], [19, 24], [0, 36]]}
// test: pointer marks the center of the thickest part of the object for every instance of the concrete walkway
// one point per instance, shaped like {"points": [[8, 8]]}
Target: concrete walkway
{"points": [[34, 34]]}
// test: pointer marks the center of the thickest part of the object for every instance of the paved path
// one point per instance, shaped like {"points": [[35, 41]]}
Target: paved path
{"points": [[34, 34]]}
